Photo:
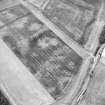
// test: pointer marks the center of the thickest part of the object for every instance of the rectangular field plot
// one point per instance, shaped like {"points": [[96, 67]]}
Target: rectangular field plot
{"points": [[28, 26], [13, 13], [47, 57], [4, 4], [75, 21]]}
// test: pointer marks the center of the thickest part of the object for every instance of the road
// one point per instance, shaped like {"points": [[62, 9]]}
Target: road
{"points": [[94, 35]]}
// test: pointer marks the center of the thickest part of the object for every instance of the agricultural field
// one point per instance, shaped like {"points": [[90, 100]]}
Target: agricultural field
{"points": [[95, 94], [75, 18], [47, 57]]}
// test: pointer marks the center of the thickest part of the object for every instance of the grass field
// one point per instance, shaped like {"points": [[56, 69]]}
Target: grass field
{"points": [[96, 91]]}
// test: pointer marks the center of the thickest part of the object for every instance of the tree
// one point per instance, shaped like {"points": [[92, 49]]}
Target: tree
{"points": [[102, 36]]}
